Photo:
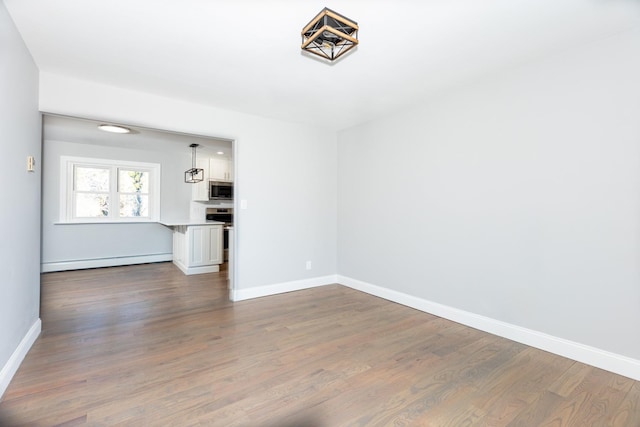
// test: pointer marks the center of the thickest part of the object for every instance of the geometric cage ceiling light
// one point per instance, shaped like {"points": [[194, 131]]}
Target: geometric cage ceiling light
{"points": [[195, 174], [329, 35]]}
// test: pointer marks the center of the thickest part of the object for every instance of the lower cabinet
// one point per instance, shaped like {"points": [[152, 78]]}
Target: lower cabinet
{"points": [[198, 248]]}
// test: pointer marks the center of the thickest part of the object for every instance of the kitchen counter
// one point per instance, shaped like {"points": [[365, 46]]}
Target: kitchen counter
{"points": [[189, 222], [197, 245]]}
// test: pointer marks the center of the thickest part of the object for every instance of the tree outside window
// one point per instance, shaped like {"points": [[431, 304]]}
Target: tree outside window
{"points": [[105, 190], [91, 192], [133, 193]]}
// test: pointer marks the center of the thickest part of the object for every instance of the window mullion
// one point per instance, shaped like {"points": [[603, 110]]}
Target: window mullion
{"points": [[114, 211]]}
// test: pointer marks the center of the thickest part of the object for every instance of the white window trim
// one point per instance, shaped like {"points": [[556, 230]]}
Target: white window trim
{"points": [[67, 164]]}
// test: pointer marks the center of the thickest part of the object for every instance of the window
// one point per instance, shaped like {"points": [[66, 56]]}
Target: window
{"points": [[98, 190]]}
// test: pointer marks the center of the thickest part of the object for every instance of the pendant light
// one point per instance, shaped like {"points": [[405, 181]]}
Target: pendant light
{"points": [[193, 175]]}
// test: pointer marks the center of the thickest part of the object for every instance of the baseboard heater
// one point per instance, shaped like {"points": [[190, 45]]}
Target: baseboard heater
{"points": [[81, 264]]}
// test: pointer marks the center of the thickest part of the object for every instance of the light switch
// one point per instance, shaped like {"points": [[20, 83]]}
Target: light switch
{"points": [[243, 204], [31, 164]]}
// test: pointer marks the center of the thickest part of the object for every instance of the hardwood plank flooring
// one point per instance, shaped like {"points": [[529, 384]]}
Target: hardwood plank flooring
{"points": [[147, 346]]}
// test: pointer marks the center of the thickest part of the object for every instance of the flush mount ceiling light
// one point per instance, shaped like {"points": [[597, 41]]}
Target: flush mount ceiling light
{"points": [[329, 35], [114, 128], [193, 175]]}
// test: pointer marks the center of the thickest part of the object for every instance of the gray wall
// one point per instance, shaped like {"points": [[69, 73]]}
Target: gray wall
{"points": [[78, 242], [20, 125], [516, 197], [286, 172]]}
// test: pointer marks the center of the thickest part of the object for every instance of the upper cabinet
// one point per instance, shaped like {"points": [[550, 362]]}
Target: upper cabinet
{"points": [[220, 169], [215, 169]]}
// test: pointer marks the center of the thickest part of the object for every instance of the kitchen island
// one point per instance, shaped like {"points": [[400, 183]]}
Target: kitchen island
{"points": [[197, 245]]}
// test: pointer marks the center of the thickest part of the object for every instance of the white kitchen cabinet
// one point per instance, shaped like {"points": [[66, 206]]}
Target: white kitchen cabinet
{"points": [[198, 248], [220, 169], [215, 169], [200, 190]]}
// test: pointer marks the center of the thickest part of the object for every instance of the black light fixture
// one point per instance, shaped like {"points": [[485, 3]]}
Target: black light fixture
{"points": [[193, 175], [329, 35]]}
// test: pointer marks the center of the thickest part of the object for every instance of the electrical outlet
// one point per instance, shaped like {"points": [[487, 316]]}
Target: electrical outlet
{"points": [[308, 265], [31, 164]]}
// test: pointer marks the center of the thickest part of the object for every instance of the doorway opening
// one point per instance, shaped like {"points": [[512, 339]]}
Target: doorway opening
{"points": [[89, 239]]}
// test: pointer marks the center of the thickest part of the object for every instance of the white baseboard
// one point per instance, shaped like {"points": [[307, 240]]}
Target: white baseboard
{"points": [[582, 353], [12, 365], [197, 270], [81, 264], [279, 288]]}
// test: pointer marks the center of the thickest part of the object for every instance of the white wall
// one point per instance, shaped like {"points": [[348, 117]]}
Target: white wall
{"points": [[67, 244], [20, 125], [516, 198], [286, 172]]}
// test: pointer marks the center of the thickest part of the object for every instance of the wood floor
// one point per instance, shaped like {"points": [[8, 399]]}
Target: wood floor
{"points": [[147, 346]]}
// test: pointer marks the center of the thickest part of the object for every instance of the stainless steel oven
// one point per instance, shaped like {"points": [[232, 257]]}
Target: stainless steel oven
{"points": [[223, 215]]}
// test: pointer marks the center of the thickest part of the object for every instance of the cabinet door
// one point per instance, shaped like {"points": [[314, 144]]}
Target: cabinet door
{"points": [[200, 190], [230, 170], [216, 251], [220, 169], [204, 245], [198, 246]]}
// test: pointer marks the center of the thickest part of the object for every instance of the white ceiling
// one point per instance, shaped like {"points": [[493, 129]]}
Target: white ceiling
{"points": [[245, 55], [82, 131]]}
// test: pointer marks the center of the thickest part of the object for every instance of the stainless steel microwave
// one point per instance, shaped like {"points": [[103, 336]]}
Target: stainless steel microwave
{"points": [[220, 190]]}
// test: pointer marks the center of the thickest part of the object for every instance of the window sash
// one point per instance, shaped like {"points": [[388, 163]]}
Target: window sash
{"points": [[119, 209]]}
